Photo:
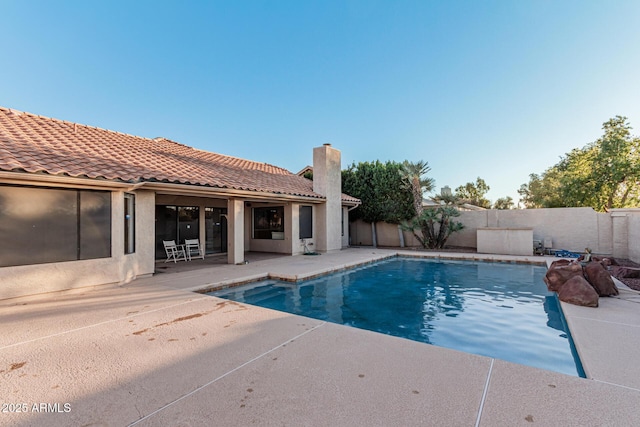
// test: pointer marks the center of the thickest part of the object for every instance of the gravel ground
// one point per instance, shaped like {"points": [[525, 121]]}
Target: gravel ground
{"points": [[632, 282]]}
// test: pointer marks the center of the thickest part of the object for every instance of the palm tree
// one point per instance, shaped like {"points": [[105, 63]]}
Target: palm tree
{"points": [[433, 226], [413, 176]]}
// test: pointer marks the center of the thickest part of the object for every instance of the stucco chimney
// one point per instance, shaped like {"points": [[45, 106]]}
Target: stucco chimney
{"points": [[327, 181]]}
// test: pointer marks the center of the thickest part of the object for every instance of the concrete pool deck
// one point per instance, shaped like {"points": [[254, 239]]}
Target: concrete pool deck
{"points": [[154, 353]]}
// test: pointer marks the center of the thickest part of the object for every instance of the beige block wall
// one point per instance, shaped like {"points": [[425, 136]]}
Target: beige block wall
{"points": [[626, 233], [472, 220], [119, 268], [620, 223], [634, 237], [360, 233], [506, 241], [573, 229]]}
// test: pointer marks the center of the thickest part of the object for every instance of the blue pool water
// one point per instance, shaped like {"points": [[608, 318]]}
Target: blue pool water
{"points": [[498, 310]]}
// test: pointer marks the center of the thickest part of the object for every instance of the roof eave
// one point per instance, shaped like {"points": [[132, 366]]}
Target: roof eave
{"points": [[225, 193], [26, 178]]}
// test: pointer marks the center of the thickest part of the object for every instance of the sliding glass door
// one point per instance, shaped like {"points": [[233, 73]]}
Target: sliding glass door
{"points": [[215, 221], [175, 223]]}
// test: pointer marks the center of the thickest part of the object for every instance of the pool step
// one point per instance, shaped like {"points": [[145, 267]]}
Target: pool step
{"points": [[263, 293]]}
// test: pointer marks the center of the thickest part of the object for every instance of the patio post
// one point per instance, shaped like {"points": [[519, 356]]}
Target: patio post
{"points": [[235, 230]]}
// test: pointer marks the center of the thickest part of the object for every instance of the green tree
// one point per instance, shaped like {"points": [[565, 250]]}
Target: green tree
{"points": [[542, 191], [430, 226], [604, 174], [503, 203], [473, 193], [380, 187], [434, 227]]}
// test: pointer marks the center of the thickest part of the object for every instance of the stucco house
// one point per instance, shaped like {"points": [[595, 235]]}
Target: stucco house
{"points": [[83, 206]]}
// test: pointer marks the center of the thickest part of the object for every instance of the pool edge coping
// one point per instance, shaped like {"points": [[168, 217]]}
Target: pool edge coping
{"points": [[233, 283]]}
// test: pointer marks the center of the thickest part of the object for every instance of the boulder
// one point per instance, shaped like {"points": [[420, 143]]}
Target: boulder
{"points": [[561, 271], [606, 262], [578, 291], [600, 279], [560, 263]]}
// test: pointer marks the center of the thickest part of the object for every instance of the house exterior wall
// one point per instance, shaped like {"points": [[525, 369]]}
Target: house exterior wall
{"points": [[345, 227], [327, 227], [119, 268], [297, 244], [327, 181], [269, 245]]}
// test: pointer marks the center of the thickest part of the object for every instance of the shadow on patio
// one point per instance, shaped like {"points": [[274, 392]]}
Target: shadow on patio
{"points": [[210, 261]]}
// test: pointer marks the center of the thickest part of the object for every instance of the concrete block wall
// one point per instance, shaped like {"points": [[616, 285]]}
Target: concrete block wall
{"points": [[360, 233], [615, 233], [634, 237], [510, 241], [569, 228]]}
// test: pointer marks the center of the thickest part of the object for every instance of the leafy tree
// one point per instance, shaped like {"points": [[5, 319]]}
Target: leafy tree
{"points": [[604, 174], [503, 203], [384, 195], [542, 191], [431, 226], [473, 193]]}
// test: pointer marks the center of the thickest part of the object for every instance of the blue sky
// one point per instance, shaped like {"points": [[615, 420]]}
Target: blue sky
{"points": [[495, 89]]}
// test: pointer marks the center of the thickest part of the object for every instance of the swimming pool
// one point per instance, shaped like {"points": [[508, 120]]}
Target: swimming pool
{"points": [[499, 310]]}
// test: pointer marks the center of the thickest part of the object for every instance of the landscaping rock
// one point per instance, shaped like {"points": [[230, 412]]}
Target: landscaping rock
{"points": [[600, 279], [578, 291], [561, 271], [560, 263], [627, 272]]}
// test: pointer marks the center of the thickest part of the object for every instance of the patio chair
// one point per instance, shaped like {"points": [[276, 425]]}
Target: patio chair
{"points": [[174, 252], [193, 246]]}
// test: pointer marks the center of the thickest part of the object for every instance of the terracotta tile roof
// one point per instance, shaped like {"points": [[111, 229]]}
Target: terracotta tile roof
{"points": [[32, 143]]}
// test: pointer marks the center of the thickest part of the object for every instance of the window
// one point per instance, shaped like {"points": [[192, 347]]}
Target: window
{"points": [[129, 223], [53, 225], [94, 217], [268, 223], [306, 222]]}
